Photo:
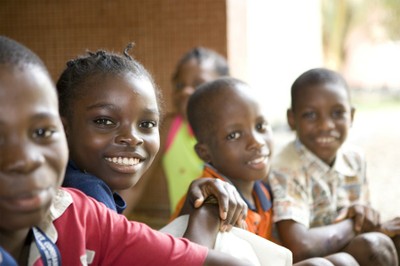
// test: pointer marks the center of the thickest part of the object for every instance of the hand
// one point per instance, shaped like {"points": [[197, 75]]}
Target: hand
{"points": [[232, 208], [391, 228], [365, 218]]}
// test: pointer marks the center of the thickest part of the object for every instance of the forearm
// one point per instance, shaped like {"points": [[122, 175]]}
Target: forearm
{"points": [[203, 225], [332, 238], [316, 242]]}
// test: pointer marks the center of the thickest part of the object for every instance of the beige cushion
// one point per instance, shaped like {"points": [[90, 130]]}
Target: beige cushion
{"points": [[241, 244]]}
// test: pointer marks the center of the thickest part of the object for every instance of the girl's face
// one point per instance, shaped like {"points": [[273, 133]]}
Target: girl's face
{"points": [[33, 146], [113, 131], [190, 75], [322, 119], [241, 144]]}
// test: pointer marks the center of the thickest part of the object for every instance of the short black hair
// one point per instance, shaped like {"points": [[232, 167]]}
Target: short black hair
{"points": [[79, 70], [15, 54], [200, 115], [313, 77], [202, 54]]}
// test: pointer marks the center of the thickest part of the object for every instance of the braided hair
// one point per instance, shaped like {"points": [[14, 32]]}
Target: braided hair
{"points": [[73, 79]]}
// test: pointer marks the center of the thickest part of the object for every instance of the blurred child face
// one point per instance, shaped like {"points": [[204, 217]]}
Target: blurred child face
{"points": [[33, 147], [113, 133], [191, 75], [322, 119], [241, 142]]}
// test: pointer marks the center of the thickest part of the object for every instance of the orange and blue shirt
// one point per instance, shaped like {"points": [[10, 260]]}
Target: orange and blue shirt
{"points": [[259, 216]]}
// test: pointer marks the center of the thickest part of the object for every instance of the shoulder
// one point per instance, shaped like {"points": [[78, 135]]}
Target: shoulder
{"points": [[352, 151], [350, 160], [286, 158]]}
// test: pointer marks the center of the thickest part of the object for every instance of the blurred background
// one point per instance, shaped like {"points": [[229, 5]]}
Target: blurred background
{"points": [[267, 44]]}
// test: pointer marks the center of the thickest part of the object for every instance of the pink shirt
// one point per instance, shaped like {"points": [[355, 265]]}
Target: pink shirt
{"points": [[88, 233]]}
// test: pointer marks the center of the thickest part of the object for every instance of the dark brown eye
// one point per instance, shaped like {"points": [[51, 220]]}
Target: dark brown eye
{"points": [[148, 124], [43, 133], [103, 121], [233, 136]]}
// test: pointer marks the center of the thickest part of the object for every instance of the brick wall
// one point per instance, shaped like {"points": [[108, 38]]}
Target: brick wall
{"points": [[162, 29]]}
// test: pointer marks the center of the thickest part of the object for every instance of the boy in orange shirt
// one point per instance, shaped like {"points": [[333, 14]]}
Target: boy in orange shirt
{"points": [[234, 141]]}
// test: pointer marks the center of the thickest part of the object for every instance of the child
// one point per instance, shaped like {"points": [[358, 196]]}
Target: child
{"points": [[318, 181], [234, 139], [44, 224], [177, 162], [181, 165], [109, 106]]}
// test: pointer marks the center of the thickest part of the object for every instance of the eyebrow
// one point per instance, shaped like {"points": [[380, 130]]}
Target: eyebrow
{"points": [[102, 105], [39, 116], [115, 107]]}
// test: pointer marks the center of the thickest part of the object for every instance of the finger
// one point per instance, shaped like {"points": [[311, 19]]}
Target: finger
{"points": [[195, 193], [217, 189], [241, 209], [234, 202], [241, 222], [342, 215], [359, 218]]}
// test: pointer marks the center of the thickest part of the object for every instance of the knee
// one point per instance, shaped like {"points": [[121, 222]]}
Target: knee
{"points": [[314, 262], [342, 259], [376, 249]]}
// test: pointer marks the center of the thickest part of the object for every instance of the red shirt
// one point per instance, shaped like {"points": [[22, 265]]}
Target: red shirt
{"points": [[88, 231]]}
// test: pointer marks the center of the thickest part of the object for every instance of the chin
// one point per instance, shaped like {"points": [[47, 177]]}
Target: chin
{"points": [[23, 221]]}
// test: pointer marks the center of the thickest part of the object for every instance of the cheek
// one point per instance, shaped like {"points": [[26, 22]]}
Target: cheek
{"points": [[58, 160], [152, 144]]}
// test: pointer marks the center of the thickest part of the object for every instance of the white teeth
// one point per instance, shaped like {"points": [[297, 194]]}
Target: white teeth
{"points": [[123, 160], [325, 140], [258, 160]]}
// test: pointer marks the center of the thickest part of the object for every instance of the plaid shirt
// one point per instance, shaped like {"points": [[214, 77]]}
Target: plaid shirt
{"points": [[310, 192]]}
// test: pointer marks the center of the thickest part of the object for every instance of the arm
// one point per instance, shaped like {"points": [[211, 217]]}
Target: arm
{"points": [[202, 229], [316, 242], [232, 208], [391, 228]]}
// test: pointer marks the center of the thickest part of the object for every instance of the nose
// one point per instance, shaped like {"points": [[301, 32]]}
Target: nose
{"points": [[129, 137], [21, 158], [256, 140], [326, 123]]}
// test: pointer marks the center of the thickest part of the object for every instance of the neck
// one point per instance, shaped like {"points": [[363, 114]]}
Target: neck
{"points": [[245, 188], [17, 243]]}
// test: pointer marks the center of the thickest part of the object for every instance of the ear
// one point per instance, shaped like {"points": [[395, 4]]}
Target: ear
{"points": [[65, 125], [352, 112], [202, 151], [290, 119]]}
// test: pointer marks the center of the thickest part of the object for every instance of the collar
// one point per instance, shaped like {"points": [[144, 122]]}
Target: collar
{"points": [[342, 164], [119, 203], [60, 203]]}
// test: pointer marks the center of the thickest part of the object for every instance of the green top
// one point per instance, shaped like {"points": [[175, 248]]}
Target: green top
{"points": [[180, 161]]}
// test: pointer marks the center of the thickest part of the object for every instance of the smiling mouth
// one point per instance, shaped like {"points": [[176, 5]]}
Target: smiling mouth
{"points": [[126, 161], [259, 160], [325, 140]]}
